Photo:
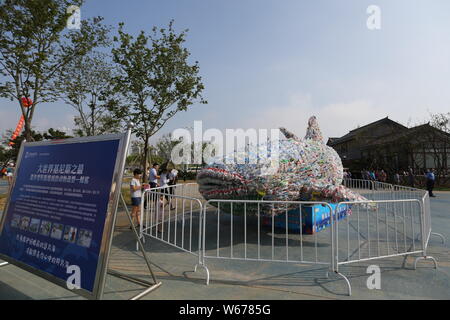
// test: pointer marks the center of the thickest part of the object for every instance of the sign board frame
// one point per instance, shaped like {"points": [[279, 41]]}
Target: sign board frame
{"points": [[110, 217]]}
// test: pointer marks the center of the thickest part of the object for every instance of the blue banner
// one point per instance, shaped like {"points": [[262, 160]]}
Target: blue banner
{"points": [[57, 209]]}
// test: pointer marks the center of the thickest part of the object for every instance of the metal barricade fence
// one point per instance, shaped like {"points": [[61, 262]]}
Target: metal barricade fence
{"points": [[246, 230], [189, 189], [397, 192], [276, 231], [364, 187], [426, 221], [378, 229], [173, 219], [381, 191], [376, 190], [404, 192]]}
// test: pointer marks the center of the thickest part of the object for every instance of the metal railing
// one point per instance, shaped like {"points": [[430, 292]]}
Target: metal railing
{"points": [[387, 228], [173, 218], [395, 221], [375, 190], [247, 230]]}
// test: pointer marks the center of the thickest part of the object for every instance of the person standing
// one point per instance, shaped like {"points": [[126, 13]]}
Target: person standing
{"points": [[136, 194], [396, 178], [430, 182], [383, 176], [411, 177], [372, 175], [153, 176], [10, 175], [173, 179], [164, 182]]}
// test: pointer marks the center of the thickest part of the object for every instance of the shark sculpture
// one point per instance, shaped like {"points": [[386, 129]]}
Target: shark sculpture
{"points": [[306, 170]]}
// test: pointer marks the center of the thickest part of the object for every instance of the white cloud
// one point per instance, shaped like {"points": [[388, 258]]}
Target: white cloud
{"points": [[335, 119]]}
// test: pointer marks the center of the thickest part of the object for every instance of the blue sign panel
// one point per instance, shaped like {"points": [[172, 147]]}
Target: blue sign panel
{"points": [[57, 209]]}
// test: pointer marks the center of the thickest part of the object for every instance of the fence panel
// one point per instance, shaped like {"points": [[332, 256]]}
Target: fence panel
{"points": [[247, 230], [379, 229], [172, 218], [394, 222]]}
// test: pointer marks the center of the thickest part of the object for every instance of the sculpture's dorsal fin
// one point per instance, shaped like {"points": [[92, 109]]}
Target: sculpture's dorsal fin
{"points": [[288, 134], [313, 131]]}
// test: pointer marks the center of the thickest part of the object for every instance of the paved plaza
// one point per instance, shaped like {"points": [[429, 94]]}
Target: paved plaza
{"points": [[252, 279]]}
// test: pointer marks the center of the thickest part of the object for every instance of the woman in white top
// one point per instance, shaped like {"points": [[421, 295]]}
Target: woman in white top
{"points": [[164, 182], [136, 193]]}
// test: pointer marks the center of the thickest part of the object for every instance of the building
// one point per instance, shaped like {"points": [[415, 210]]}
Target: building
{"points": [[386, 144]]}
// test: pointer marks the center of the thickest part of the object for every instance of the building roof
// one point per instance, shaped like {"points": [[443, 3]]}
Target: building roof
{"points": [[354, 132], [331, 140], [411, 132]]}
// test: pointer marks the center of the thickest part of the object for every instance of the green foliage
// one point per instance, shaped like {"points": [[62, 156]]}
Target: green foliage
{"points": [[85, 83], [163, 148], [34, 46], [155, 80], [440, 121], [10, 154]]}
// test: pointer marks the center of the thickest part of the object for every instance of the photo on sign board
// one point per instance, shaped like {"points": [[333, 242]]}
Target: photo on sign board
{"points": [[24, 222], [85, 238], [45, 228], [34, 225], [70, 234], [57, 230], [15, 221]]}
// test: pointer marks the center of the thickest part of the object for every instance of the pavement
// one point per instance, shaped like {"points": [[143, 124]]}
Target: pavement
{"points": [[3, 186], [253, 280]]}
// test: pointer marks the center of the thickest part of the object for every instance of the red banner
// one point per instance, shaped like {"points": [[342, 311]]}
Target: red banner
{"points": [[19, 128]]}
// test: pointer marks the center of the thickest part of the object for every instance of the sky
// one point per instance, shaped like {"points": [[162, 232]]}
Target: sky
{"points": [[274, 63]]}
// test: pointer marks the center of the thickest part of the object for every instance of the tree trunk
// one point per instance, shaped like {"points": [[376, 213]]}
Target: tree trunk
{"points": [[28, 135], [92, 121], [144, 159]]}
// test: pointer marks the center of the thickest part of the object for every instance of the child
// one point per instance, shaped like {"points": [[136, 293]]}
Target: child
{"points": [[136, 193]]}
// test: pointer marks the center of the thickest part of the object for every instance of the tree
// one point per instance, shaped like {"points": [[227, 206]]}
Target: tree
{"points": [[85, 83], [440, 121], [5, 156], [54, 134], [34, 47], [438, 145], [156, 80], [13, 152], [164, 146]]}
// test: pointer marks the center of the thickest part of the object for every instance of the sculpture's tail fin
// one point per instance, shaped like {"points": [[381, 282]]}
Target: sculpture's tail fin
{"points": [[288, 134], [313, 131]]}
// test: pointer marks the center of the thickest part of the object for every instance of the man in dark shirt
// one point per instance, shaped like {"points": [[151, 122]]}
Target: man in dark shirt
{"points": [[430, 182]]}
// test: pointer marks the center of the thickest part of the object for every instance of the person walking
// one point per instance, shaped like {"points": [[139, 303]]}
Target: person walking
{"points": [[430, 182]]}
